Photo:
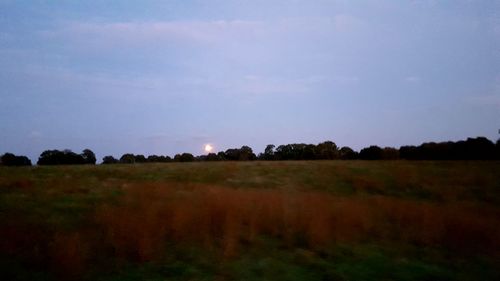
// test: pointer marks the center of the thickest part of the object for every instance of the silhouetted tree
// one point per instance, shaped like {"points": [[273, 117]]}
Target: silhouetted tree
{"points": [[232, 154], [497, 146], [371, 153], [409, 152], [390, 153], [184, 157], [9, 159], [479, 148], [127, 158], [212, 157], [109, 160], [139, 158], [221, 155], [327, 150], [346, 153], [158, 159], [56, 157], [268, 153], [246, 154], [283, 152], [88, 156]]}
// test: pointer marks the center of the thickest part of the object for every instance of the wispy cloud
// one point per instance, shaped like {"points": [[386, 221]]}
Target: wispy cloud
{"points": [[412, 79]]}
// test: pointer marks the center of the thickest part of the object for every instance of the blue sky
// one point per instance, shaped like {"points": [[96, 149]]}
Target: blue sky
{"points": [[163, 77]]}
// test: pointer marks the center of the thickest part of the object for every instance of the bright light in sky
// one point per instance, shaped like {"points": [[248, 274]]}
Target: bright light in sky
{"points": [[208, 148]]}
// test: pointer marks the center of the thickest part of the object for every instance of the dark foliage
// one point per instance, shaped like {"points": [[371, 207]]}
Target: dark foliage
{"points": [[127, 158], [109, 160], [244, 153], [158, 159], [184, 157], [66, 157], [9, 159], [479, 148], [346, 153], [371, 153], [88, 156]]}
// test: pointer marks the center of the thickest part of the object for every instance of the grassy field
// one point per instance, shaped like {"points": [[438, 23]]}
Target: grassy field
{"points": [[321, 220]]}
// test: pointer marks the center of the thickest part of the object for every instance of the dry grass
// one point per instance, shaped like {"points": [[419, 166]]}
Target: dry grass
{"points": [[220, 218]]}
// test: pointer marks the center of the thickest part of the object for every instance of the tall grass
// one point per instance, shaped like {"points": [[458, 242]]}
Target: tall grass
{"points": [[154, 215]]}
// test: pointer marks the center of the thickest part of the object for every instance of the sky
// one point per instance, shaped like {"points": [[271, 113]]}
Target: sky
{"points": [[166, 77]]}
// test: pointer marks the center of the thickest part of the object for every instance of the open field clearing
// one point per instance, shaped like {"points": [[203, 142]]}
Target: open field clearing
{"points": [[317, 220]]}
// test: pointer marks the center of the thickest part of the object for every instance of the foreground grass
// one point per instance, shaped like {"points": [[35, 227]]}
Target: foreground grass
{"points": [[322, 220]]}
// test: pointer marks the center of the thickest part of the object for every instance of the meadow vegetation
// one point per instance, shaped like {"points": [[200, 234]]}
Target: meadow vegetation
{"points": [[286, 220]]}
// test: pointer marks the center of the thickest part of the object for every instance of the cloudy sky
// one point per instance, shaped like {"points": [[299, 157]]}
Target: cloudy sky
{"points": [[163, 77]]}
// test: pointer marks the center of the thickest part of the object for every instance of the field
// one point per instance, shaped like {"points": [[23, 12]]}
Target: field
{"points": [[319, 220]]}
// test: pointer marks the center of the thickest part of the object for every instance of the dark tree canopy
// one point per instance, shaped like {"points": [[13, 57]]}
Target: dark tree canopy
{"points": [[109, 160], [88, 156], [268, 153], [327, 150], [158, 159], [371, 153], [9, 159], [65, 157], [346, 153], [184, 157], [212, 157], [478, 148], [140, 158], [127, 158], [390, 153]]}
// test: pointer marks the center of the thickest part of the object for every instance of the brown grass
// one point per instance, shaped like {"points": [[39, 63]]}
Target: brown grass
{"points": [[153, 215]]}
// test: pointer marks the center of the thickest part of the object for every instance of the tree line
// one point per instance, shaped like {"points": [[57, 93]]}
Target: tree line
{"points": [[479, 148]]}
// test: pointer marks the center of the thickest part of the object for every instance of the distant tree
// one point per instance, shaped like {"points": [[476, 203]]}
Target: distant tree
{"points": [[88, 156], [246, 154], [9, 159], [158, 159], [232, 154], [139, 158], [154, 159], [308, 152], [221, 155], [56, 157], [390, 153], [268, 152], [284, 152], [127, 158], [371, 153], [409, 152], [327, 150], [186, 157], [346, 153], [212, 157], [109, 160], [497, 148], [479, 148]]}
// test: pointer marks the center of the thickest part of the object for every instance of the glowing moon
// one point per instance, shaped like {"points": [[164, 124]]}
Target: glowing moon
{"points": [[208, 148]]}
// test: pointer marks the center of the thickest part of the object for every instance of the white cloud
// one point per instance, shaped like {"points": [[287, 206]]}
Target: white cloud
{"points": [[412, 79], [133, 34]]}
